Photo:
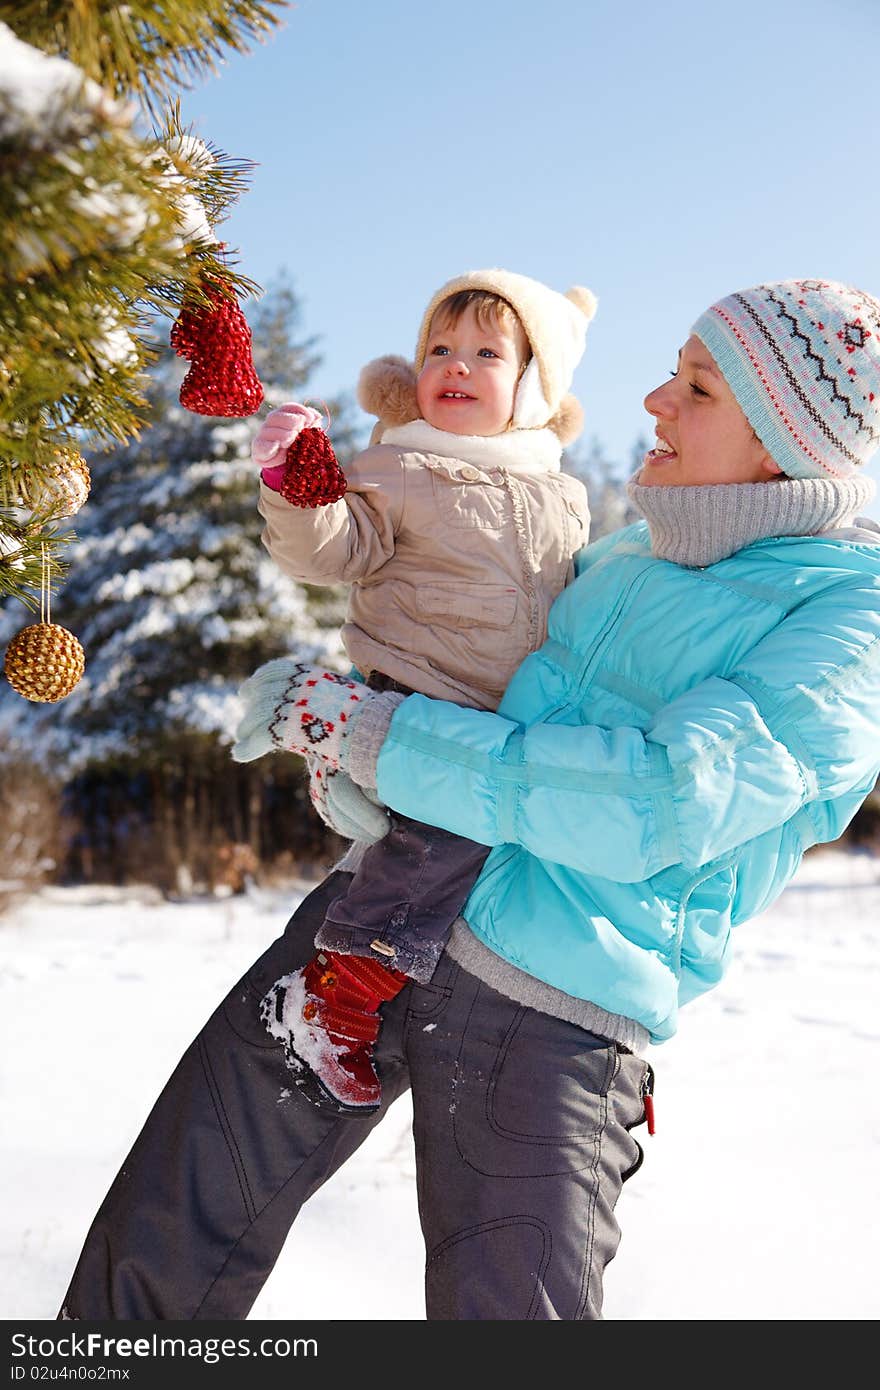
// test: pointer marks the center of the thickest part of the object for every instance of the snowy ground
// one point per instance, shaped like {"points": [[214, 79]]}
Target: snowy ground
{"points": [[758, 1198]]}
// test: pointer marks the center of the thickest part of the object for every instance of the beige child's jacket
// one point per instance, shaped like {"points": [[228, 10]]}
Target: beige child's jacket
{"points": [[454, 546]]}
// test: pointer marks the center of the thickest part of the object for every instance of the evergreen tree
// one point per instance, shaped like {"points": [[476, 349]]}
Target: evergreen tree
{"points": [[176, 601], [107, 214]]}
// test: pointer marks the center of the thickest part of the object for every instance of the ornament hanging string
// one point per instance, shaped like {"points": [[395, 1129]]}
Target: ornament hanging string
{"points": [[325, 410], [45, 591]]}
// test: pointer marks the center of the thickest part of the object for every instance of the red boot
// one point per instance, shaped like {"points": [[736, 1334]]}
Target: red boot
{"points": [[327, 1014]]}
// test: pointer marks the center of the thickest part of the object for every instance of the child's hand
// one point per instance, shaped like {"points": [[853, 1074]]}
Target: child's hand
{"points": [[279, 429]]}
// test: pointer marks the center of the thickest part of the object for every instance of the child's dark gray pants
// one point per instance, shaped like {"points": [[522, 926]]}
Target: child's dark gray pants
{"points": [[522, 1142], [407, 891], [401, 903]]}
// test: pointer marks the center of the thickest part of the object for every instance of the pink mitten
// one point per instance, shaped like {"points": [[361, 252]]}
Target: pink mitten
{"points": [[275, 436]]}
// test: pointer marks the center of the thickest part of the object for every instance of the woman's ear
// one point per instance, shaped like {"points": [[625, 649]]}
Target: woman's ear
{"points": [[771, 467]]}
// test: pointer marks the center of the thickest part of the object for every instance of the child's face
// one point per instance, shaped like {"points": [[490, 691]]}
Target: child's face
{"points": [[702, 434], [471, 371]]}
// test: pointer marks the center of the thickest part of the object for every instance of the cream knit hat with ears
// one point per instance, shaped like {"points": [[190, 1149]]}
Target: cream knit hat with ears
{"points": [[555, 325]]}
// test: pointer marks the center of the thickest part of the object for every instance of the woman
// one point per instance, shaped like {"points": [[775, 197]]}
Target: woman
{"points": [[704, 709]]}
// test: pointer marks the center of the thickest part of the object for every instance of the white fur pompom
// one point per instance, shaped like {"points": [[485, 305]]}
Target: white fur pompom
{"points": [[387, 388], [568, 422], [584, 300]]}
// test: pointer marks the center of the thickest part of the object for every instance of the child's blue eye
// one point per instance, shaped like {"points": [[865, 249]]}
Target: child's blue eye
{"points": [[486, 352], [439, 351]]}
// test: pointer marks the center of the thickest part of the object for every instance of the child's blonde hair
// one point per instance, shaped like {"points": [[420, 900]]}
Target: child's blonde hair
{"points": [[553, 328], [489, 309]]}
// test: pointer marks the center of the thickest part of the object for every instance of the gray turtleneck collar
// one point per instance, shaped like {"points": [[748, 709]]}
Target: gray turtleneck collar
{"points": [[697, 526]]}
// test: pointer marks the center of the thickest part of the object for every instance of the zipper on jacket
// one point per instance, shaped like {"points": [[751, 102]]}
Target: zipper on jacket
{"points": [[573, 696], [602, 641], [647, 1094]]}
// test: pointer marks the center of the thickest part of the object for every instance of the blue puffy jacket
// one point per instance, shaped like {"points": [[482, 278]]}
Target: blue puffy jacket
{"points": [[656, 770]]}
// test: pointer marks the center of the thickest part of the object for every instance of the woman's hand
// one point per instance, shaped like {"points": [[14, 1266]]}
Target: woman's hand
{"points": [[344, 806], [298, 708]]}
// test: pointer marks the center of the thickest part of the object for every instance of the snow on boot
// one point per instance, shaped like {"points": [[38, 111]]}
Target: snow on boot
{"points": [[326, 1015]]}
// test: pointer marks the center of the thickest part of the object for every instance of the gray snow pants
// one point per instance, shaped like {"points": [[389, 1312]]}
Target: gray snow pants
{"points": [[522, 1141]]}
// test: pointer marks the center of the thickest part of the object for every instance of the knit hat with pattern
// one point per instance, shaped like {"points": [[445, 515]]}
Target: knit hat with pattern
{"points": [[555, 325], [802, 358]]}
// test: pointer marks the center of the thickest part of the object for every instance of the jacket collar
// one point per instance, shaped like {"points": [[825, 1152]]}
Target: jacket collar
{"points": [[518, 451]]}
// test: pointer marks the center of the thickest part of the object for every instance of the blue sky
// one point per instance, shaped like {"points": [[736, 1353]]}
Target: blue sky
{"points": [[663, 154]]}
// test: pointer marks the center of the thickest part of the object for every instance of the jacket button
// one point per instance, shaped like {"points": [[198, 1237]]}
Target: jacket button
{"points": [[469, 474]]}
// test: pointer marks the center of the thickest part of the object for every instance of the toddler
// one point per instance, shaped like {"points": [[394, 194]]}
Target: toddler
{"points": [[456, 530]]}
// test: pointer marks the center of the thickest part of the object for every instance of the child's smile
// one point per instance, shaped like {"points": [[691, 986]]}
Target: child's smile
{"points": [[470, 376]]}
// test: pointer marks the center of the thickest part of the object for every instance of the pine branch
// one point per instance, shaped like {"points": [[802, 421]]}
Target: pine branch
{"points": [[103, 227], [144, 48], [96, 235], [28, 548]]}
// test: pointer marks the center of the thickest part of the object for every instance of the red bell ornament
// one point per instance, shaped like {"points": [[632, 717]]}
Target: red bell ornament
{"points": [[216, 340], [313, 476]]}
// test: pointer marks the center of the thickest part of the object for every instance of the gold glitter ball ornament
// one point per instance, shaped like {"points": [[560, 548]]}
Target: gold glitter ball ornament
{"points": [[70, 482], [66, 486], [44, 662]]}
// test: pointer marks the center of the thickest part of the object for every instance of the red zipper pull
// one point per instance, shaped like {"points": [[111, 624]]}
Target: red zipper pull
{"points": [[648, 1096], [649, 1111]]}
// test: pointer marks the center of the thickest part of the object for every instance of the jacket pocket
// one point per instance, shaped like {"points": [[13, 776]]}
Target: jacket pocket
{"points": [[476, 605], [534, 1103], [466, 499], [456, 605]]}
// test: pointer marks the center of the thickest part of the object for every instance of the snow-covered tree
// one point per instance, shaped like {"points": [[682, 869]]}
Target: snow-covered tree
{"points": [[176, 601], [107, 215]]}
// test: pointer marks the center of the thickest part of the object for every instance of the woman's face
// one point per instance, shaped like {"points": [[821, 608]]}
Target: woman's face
{"points": [[702, 434]]}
